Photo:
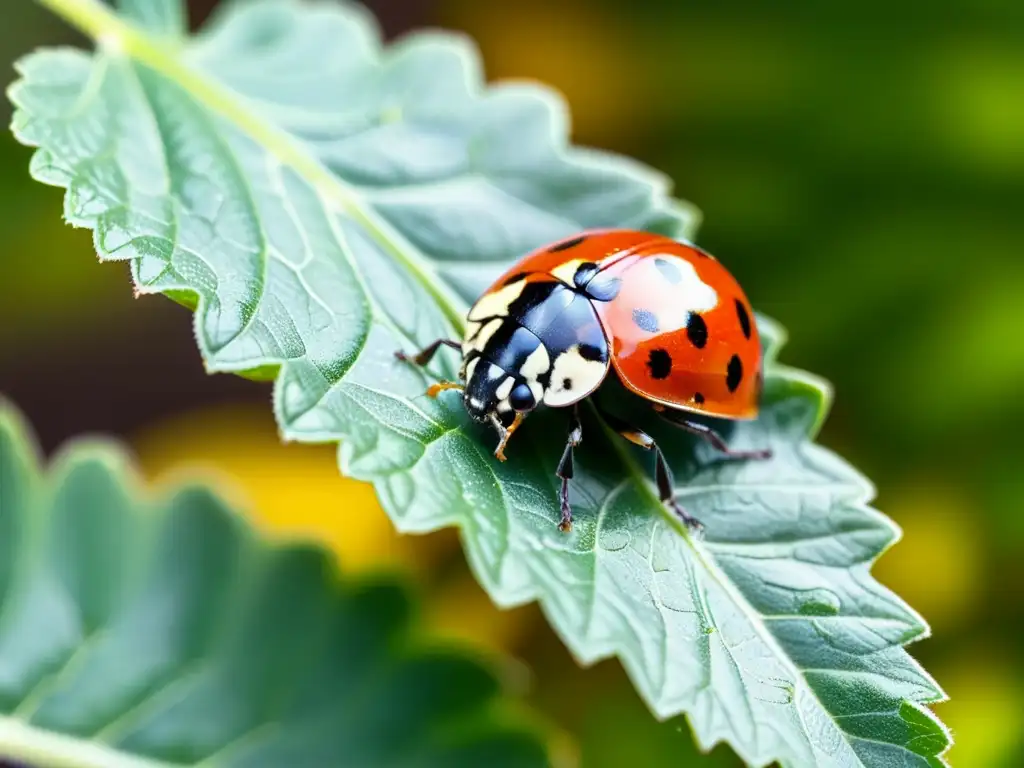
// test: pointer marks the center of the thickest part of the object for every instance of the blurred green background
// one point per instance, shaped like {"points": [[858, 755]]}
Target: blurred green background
{"points": [[860, 169]]}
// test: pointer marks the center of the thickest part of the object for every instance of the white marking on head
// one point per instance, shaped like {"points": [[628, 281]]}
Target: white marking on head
{"points": [[496, 304], [505, 388], [573, 377]]}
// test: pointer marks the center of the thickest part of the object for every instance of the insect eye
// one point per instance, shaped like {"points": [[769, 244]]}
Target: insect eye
{"points": [[521, 398]]}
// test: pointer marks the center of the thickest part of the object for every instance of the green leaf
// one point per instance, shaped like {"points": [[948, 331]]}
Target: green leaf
{"points": [[321, 202], [139, 632]]}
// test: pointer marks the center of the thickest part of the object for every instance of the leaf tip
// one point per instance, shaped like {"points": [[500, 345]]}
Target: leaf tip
{"points": [[16, 432], [96, 454]]}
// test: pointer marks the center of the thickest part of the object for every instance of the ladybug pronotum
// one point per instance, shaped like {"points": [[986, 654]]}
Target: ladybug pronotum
{"points": [[666, 317]]}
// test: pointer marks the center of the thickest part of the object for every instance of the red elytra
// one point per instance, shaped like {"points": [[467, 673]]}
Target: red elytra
{"points": [[677, 308]]}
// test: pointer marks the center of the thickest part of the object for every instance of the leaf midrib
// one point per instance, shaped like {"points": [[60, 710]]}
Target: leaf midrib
{"points": [[115, 36], [639, 478], [33, 745]]}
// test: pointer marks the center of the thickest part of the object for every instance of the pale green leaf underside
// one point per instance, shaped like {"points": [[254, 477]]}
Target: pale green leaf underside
{"points": [[151, 633], [324, 202], [161, 17]]}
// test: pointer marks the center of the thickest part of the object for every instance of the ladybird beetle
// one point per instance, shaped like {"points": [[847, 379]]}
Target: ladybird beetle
{"points": [[667, 317]]}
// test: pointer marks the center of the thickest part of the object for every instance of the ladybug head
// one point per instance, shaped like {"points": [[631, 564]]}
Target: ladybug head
{"points": [[493, 393]]}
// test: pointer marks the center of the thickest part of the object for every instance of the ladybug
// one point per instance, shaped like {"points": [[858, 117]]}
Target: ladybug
{"points": [[669, 320]]}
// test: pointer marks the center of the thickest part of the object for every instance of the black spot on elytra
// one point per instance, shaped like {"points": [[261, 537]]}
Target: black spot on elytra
{"points": [[698, 398], [592, 352], [514, 278], [741, 311], [645, 320], [697, 330], [734, 373], [660, 363], [584, 274], [567, 244], [668, 270], [567, 384], [604, 287]]}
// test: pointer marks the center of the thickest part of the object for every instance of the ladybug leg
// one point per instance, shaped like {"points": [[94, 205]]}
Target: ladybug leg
{"points": [[708, 434], [505, 434], [565, 469], [425, 355], [662, 472]]}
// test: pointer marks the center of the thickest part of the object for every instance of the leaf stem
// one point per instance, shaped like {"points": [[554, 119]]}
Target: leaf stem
{"points": [[115, 36], [90, 16]]}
